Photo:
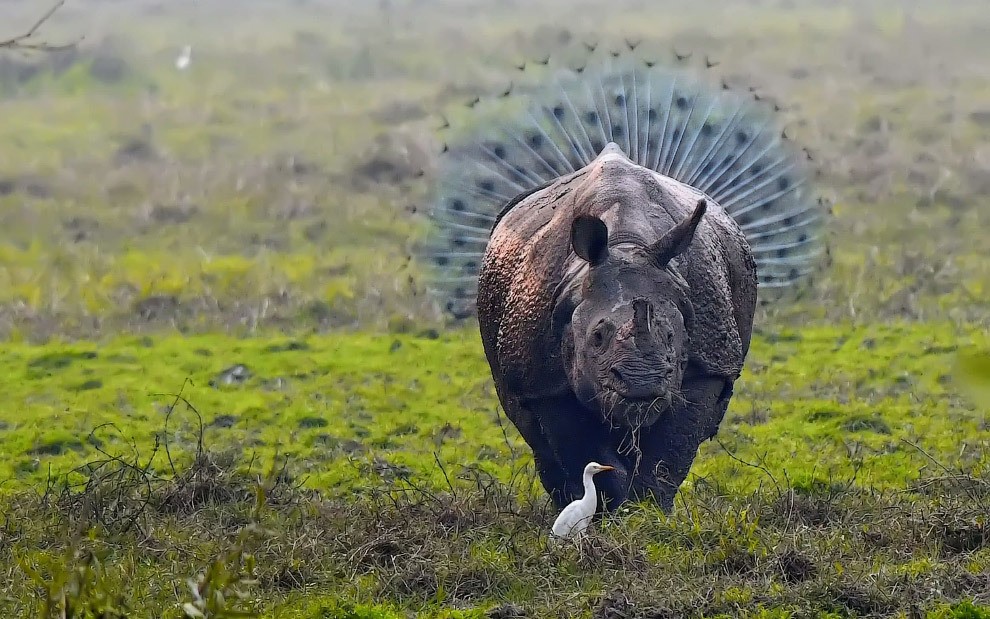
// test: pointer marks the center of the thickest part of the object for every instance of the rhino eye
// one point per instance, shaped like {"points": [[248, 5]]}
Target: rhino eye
{"points": [[600, 334]]}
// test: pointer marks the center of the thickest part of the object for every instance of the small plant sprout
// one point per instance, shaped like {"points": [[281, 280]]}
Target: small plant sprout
{"points": [[576, 517]]}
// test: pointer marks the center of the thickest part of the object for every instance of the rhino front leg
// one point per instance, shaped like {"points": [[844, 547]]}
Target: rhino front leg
{"points": [[576, 438], [552, 474], [671, 445]]}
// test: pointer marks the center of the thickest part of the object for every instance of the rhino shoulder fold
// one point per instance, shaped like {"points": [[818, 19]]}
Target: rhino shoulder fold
{"points": [[723, 295]]}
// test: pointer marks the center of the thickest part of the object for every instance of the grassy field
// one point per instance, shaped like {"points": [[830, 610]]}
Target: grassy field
{"points": [[226, 391]]}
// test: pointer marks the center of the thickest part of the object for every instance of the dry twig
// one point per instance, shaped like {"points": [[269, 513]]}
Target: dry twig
{"points": [[24, 42]]}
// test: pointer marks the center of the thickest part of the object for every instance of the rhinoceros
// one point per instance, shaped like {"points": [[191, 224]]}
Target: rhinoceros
{"points": [[610, 237]]}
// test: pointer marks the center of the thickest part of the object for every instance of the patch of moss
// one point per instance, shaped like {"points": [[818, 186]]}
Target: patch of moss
{"points": [[835, 411]]}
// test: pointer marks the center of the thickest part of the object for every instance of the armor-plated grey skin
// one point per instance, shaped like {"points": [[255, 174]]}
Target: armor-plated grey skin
{"points": [[616, 307]]}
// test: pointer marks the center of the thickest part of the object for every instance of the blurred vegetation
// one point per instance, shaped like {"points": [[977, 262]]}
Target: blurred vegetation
{"points": [[281, 179]]}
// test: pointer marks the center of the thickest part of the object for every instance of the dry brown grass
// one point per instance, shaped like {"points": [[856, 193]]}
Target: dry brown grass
{"points": [[832, 549]]}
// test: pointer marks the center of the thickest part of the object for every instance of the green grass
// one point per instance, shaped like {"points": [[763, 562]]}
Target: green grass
{"points": [[161, 227], [830, 426], [312, 399], [813, 404]]}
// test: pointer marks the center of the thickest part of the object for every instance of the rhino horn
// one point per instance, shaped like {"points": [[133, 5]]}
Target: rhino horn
{"points": [[589, 239], [642, 319], [677, 238]]}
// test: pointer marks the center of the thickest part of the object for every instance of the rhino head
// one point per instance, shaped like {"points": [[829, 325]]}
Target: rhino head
{"points": [[628, 345]]}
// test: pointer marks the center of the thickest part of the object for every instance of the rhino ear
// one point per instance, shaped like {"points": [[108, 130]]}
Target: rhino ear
{"points": [[677, 238], [589, 238]]}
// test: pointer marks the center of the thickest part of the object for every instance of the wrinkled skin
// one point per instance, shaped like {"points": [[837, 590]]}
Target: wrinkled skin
{"points": [[629, 335], [616, 308]]}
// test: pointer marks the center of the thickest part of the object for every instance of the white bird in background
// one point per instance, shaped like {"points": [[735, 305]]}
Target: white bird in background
{"points": [[576, 517], [184, 58]]}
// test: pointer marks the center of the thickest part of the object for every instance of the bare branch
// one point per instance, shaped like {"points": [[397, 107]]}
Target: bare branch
{"points": [[23, 42]]}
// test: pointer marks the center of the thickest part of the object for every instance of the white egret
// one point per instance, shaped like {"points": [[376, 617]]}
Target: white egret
{"points": [[576, 517], [184, 58]]}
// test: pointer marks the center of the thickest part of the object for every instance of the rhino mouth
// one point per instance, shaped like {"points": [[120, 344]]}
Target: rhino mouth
{"points": [[634, 411]]}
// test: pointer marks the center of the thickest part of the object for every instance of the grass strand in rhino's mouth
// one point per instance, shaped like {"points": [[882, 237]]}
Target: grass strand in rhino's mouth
{"points": [[644, 410]]}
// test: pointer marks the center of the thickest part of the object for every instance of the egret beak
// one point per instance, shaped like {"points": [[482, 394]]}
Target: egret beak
{"points": [[606, 467]]}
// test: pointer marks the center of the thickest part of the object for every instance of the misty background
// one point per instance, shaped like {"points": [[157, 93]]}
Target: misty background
{"points": [[281, 175]]}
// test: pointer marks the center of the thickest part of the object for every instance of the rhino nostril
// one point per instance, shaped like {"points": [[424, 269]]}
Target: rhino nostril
{"points": [[616, 375]]}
